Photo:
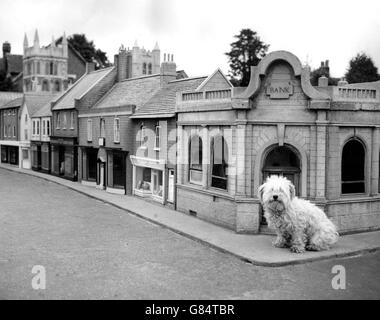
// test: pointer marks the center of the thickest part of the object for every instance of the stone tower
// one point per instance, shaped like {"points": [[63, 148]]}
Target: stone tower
{"points": [[45, 68], [138, 62]]}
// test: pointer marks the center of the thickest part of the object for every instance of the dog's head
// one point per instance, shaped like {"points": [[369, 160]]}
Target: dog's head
{"points": [[276, 193]]}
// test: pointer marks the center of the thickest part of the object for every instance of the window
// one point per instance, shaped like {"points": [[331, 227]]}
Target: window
{"points": [[14, 131], [58, 120], [55, 69], [64, 121], [102, 128], [38, 67], [219, 151], [353, 167], [51, 69], [195, 159], [144, 68], [116, 130], [48, 127], [43, 128], [38, 128], [57, 86], [25, 134], [142, 135], [47, 68], [89, 130], [45, 85], [72, 120], [5, 131], [34, 128], [149, 68], [157, 138], [26, 119]]}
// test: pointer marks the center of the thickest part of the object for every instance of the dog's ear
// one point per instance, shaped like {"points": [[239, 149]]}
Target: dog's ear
{"points": [[292, 190], [260, 192]]}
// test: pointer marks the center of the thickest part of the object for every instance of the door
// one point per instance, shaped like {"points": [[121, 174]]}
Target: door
{"points": [[171, 186]]}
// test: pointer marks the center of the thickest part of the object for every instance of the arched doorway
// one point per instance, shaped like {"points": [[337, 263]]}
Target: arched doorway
{"points": [[284, 161]]}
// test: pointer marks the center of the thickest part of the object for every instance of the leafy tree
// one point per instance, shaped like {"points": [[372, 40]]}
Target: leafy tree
{"points": [[362, 69], [6, 83], [88, 50], [245, 52]]}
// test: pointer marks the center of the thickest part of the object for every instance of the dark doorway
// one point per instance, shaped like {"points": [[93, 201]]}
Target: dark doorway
{"points": [[282, 161], [39, 160], [118, 170], [353, 167], [92, 157], [61, 160]]}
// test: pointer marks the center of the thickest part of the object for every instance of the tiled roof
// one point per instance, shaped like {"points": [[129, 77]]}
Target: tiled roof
{"points": [[36, 101], [6, 97], [163, 101], [45, 111], [135, 91], [13, 103], [67, 99]]}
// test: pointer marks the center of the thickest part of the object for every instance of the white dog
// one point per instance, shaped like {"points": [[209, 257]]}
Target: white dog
{"points": [[299, 224]]}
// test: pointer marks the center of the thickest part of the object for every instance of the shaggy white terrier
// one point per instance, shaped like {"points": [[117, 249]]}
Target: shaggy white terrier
{"points": [[299, 224]]}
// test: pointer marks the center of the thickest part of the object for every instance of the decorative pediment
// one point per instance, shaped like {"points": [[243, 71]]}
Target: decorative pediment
{"points": [[281, 86]]}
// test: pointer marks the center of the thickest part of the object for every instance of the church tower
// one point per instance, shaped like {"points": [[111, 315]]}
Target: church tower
{"points": [[45, 68]]}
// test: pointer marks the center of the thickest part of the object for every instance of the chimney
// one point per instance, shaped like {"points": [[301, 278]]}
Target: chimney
{"points": [[168, 69], [6, 51], [122, 64], [90, 67], [323, 81]]}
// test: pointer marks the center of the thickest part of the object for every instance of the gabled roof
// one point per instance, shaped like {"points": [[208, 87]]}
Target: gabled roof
{"points": [[134, 91], [7, 96], [36, 101], [164, 100], [79, 89], [217, 75]]}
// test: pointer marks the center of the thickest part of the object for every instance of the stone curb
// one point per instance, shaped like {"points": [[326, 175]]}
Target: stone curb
{"points": [[202, 241]]}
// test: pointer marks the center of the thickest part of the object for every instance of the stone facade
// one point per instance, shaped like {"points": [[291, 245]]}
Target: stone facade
{"points": [[280, 124]]}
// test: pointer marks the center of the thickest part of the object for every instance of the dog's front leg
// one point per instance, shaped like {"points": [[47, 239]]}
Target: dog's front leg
{"points": [[298, 242], [281, 241]]}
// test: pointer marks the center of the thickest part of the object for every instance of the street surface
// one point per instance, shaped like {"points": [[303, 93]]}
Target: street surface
{"points": [[91, 250]]}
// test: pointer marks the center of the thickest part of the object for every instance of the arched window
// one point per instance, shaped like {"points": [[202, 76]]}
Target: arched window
{"points": [[195, 159], [29, 68], [51, 69], [55, 68], [149, 68], [144, 68], [57, 86], [38, 67], [353, 167], [45, 85], [219, 158], [47, 68]]}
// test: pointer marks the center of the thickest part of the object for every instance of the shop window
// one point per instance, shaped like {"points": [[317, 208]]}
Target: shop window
{"points": [[145, 183], [219, 154], [116, 130], [353, 167], [89, 130], [157, 183], [195, 160]]}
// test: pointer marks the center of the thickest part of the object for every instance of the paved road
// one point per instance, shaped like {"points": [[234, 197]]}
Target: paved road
{"points": [[91, 250]]}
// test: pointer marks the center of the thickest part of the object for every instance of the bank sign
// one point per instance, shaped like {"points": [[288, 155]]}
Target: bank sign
{"points": [[279, 90]]}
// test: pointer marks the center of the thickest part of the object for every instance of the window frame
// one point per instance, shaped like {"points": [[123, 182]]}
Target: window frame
{"points": [[116, 130], [157, 137], [89, 130], [364, 181], [224, 162], [200, 159], [72, 120]]}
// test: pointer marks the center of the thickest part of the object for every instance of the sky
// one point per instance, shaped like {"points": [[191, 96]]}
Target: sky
{"points": [[199, 32]]}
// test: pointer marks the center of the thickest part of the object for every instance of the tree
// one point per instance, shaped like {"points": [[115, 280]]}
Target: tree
{"points": [[362, 69], [6, 83], [246, 51], [88, 50]]}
